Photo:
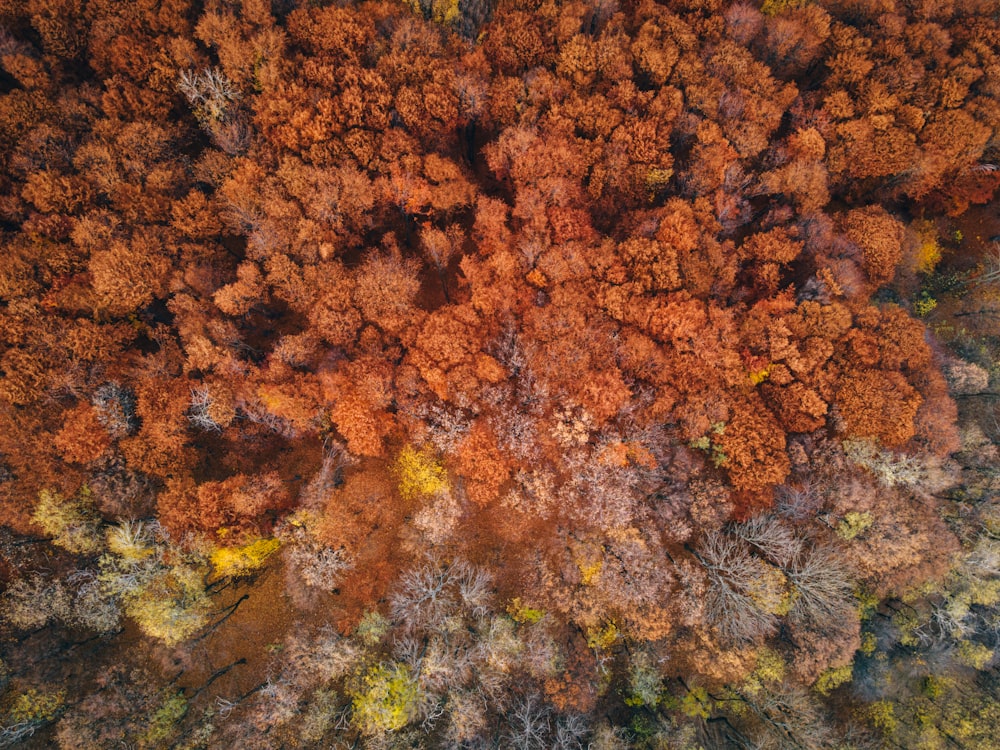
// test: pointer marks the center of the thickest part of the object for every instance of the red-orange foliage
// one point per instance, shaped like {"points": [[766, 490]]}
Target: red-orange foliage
{"points": [[880, 238], [482, 464], [160, 447], [364, 519], [361, 392], [237, 298], [82, 438], [384, 289], [334, 316], [754, 447], [798, 407], [877, 404], [445, 352], [227, 510], [294, 398]]}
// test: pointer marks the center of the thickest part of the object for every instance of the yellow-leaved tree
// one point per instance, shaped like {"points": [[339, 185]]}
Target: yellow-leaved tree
{"points": [[387, 699], [71, 522], [420, 473]]}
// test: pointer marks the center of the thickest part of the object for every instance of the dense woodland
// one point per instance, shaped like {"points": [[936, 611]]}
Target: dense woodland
{"points": [[532, 374]]}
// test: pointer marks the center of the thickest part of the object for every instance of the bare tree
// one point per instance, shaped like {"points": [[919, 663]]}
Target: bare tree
{"points": [[116, 409], [822, 583], [773, 539], [743, 591], [428, 595], [529, 724], [209, 93], [784, 716], [569, 733], [199, 415]]}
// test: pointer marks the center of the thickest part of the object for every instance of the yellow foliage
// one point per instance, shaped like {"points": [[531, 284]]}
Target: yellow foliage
{"points": [[774, 7], [645, 683], [929, 252], [882, 716], [658, 178], [833, 677], [907, 622], [759, 376], [853, 524], [387, 701], [235, 561], [164, 721], [420, 473], [974, 655], [702, 443], [172, 606], [522, 613], [128, 541], [708, 444], [985, 593], [934, 687], [867, 602], [601, 639], [696, 703], [770, 666], [924, 305], [445, 12], [589, 571], [71, 522], [35, 706], [372, 628]]}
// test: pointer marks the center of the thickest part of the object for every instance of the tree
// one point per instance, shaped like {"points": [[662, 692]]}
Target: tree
{"points": [[877, 404], [753, 448], [83, 438], [387, 702], [384, 289], [237, 298], [482, 463], [71, 522], [822, 585], [745, 594], [880, 237], [32, 602]]}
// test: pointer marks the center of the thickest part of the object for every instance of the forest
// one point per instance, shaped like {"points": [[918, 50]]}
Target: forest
{"points": [[500, 374]]}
